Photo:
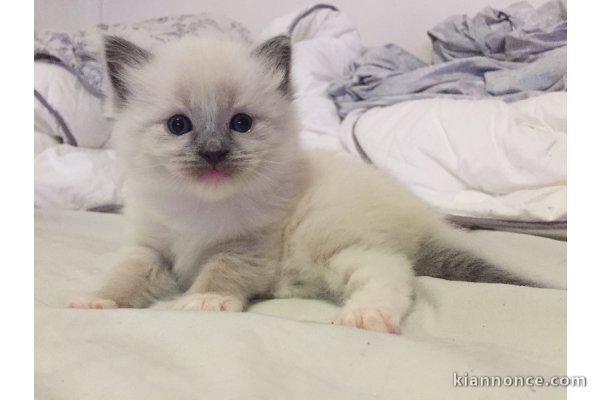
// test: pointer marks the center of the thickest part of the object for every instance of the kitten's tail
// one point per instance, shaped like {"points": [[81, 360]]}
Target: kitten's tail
{"points": [[438, 259]]}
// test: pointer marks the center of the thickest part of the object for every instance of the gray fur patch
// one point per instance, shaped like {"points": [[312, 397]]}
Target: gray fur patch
{"points": [[277, 52], [438, 261], [118, 54]]}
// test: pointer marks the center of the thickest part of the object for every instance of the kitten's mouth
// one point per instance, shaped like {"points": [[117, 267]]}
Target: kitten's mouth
{"points": [[214, 176]]}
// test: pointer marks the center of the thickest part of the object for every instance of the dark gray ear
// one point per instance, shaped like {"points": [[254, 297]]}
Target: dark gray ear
{"points": [[277, 54], [119, 55]]}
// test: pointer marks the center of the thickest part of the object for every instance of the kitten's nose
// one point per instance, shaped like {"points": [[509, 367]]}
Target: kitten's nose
{"points": [[214, 157]]}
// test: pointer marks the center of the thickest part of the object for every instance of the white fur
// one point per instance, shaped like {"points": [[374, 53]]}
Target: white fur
{"points": [[289, 224]]}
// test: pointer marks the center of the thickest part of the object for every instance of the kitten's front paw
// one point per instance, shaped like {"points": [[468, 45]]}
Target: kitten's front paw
{"points": [[209, 302], [373, 319], [92, 303]]}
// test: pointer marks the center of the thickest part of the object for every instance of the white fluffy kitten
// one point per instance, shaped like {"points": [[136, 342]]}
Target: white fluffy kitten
{"points": [[223, 204]]}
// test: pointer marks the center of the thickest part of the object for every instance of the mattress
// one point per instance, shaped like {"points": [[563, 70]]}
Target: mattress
{"points": [[287, 348]]}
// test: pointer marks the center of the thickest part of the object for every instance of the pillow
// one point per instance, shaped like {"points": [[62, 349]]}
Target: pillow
{"points": [[81, 52], [65, 110]]}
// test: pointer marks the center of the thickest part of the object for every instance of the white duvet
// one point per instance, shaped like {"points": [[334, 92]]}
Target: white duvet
{"points": [[285, 349], [476, 158]]}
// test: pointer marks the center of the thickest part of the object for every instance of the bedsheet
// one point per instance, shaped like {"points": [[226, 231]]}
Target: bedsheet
{"points": [[287, 348]]}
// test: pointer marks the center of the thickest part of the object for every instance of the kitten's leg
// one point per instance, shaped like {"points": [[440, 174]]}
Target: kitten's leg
{"points": [[226, 283], [137, 280], [377, 288]]}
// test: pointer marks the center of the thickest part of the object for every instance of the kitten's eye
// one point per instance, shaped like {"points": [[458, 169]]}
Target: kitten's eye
{"points": [[240, 123], [179, 124]]}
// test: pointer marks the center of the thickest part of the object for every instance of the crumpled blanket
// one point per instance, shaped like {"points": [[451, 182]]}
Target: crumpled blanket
{"points": [[495, 164], [79, 52], [512, 54], [518, 33]]}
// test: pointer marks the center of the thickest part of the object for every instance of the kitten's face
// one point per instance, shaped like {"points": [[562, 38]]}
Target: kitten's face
{"points": [[211, 115]]}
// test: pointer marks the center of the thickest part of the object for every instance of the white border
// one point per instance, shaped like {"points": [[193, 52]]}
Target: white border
{"points": [[16, 237], [583, 196]]}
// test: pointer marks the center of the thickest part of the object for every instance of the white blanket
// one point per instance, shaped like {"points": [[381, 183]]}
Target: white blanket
{"points": [[285, 349], [76, 178], [475, 158]]}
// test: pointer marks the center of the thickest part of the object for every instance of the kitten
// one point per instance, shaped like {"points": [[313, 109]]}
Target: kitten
{"points": [[224, 205]]}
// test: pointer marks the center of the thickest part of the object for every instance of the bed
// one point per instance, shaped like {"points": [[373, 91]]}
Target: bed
{"points": [[287, 348]]}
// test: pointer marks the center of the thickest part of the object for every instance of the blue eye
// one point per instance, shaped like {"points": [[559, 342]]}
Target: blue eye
{"points": [[240, 123], [179, 124]]}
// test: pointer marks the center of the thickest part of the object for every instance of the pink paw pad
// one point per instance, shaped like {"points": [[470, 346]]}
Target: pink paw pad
{"points": [[377, 320], [209, 302], [93, 303]]}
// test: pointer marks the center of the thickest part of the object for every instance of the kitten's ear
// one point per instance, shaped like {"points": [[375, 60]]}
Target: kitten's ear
{"points": [[277, 55], [121, 56]]}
